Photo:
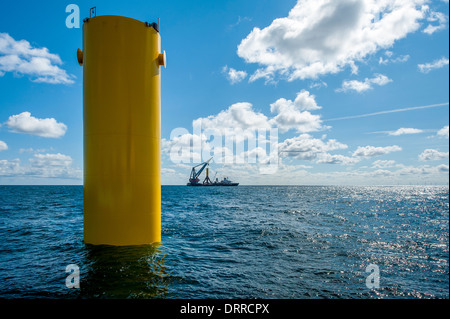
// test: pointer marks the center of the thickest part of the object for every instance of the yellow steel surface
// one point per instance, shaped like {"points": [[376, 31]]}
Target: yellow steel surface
{"points": [[121, 61]]}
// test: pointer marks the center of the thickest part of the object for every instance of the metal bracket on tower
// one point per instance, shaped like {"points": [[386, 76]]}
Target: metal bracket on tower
{"points": [[154, 25], [92, 14]]}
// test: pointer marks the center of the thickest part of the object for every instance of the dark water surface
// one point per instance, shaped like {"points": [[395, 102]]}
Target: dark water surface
{"points": [[235, 242]]}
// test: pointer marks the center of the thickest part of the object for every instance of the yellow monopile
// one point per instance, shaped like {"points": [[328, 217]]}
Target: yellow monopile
{"points": [[121, 61]]}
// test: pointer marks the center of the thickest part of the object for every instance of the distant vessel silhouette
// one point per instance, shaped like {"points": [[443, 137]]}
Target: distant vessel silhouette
{"points": [[195, 181]]}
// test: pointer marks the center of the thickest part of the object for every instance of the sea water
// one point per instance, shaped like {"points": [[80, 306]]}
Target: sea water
{"points": [[288, 242]]}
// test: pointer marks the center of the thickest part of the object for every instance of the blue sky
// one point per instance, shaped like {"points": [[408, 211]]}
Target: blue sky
{"points": [[326, 74]]}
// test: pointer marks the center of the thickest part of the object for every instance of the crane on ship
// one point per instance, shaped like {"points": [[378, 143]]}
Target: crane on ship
{"points": [[193, 179], [196, 171]]}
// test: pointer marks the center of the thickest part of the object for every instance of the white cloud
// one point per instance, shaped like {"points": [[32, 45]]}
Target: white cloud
{"points": [[318, 84], [42, 166], [31, 150], [3, 146], [367, 84], [432, 155], [233, 75], [354, 85], [239, 21], [370, 151], [443, 132], [303, 101], [239, 115], [25, 123], [326, 158], [51, 160], [305, 147], [399, 59], [165, 171], [403, 130], [240, 122], [383, 61], [322, 37], [26, 150], [9, 167], [236, 123], [179, 147], [290, 118], [21, 58], [412, 171], [436, 64], [295, 114], [383, 163], [380, 79], [438, 17]]}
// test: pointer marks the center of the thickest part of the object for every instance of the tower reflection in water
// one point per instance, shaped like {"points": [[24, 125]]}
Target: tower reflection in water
{"points": [[124, 272]]}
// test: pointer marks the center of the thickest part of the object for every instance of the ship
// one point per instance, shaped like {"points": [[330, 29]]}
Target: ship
{"points": [[194, 179]]}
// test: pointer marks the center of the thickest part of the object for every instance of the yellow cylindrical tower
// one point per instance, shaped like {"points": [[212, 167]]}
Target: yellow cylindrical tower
{"points": [[121, 61]]}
